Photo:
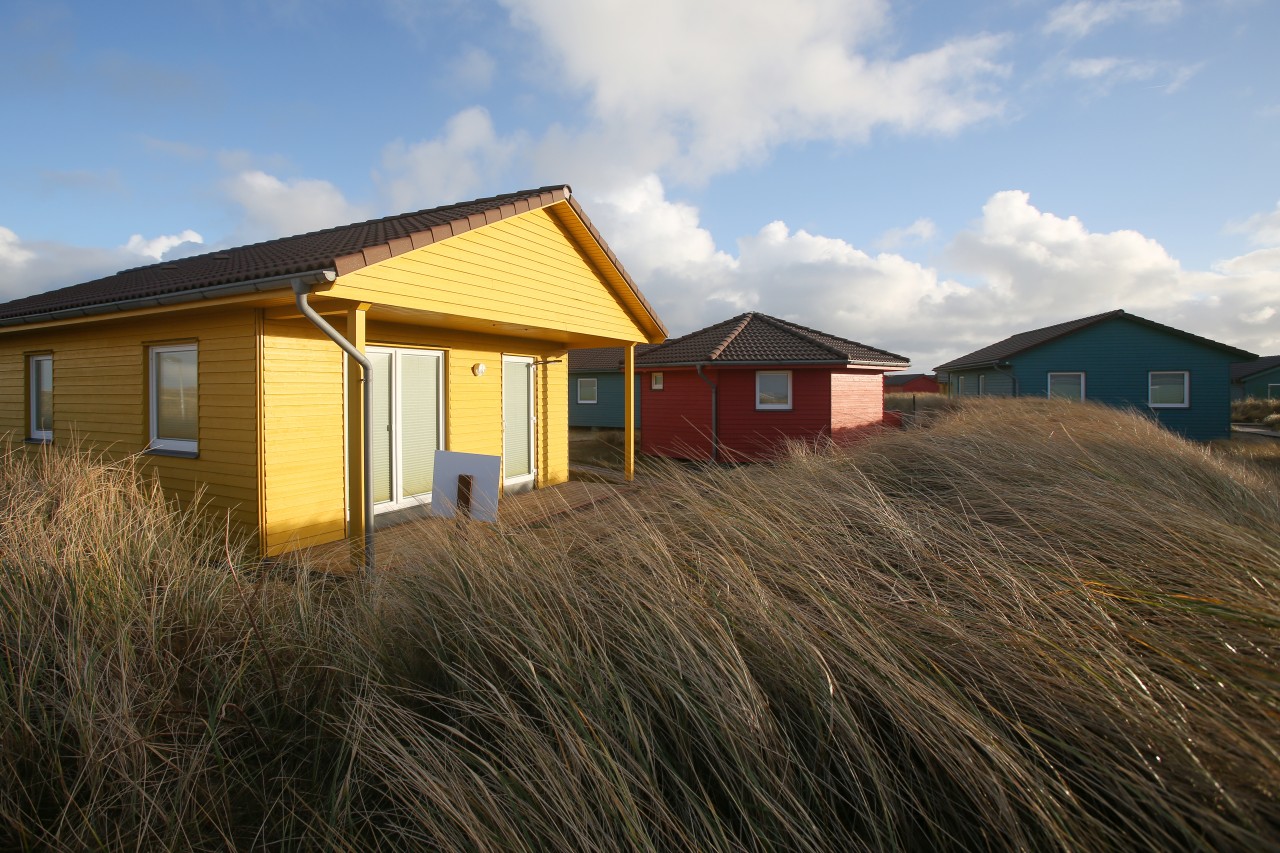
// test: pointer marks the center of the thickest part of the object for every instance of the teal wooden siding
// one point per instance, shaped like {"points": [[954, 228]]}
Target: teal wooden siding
{"points": [[1264, 385], [609, 408], [985, 381]]}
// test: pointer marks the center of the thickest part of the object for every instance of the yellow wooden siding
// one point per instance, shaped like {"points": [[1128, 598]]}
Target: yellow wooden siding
{"points": [[100, 399], [553, 421], [522, 270], [304, 491]]}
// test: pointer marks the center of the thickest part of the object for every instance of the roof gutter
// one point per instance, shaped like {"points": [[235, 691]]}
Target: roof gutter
{"points": [[888, 365], [301, 290], [239, 288]]}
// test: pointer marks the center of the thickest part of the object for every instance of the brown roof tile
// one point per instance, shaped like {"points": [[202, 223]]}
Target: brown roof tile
{"points": [[755, 338], [601, 359], [344, 248]]}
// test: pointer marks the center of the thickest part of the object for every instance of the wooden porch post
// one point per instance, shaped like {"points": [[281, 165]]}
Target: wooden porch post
{"points": [[355, 431], [629, 413]]}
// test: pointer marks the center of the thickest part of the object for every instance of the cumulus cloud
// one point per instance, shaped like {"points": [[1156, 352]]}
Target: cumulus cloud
{"points": [[12, 253], [721, 82], [271, 207], [466, 157], [1077, 19], [1022, 268], [28, 267], [157, 247]]}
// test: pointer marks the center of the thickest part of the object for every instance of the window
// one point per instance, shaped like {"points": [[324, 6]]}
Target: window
{"points": [[174, 399], [587, 391], [982, 384], [1169, 389], [1066, 386], [40, 395], [1273, 392], [773, 389], [655, 381]]}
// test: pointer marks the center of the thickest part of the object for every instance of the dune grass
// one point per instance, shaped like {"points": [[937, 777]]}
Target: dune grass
{"points": [[1031, 625], [1254, 410]]}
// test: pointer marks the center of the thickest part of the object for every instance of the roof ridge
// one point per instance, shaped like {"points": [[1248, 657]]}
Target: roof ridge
{"points": [[362, 224], [808, 334], [746, 318]]}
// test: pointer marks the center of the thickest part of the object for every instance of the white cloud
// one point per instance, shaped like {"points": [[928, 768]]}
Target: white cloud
{"points": [[719, 83], [28, 267], [275, 208], [1023, 268], [1106, 72], [157, 247], [920, 231], [475, 69], [466, 158], [12, 253], [1079, 18], [1263, 229]]}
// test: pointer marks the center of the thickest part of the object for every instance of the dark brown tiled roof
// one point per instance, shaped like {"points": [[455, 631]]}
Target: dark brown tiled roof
{"points": [[345, 248], [1023, 341], [1245, 369], [601, 359], [902, 378], [755, 338]]}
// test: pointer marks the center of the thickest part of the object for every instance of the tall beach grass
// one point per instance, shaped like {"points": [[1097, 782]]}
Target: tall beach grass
{"points": [[1031, 625]]}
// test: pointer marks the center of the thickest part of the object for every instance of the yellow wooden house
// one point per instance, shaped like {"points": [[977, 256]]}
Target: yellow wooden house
{"points": [[229, 373]]}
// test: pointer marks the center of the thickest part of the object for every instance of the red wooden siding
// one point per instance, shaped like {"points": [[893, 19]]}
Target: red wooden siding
{"points": [[676, 421], [825, 401], [919, 385]]}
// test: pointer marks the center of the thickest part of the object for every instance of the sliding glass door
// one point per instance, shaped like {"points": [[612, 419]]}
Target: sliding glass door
{"points": [[408, 424]]}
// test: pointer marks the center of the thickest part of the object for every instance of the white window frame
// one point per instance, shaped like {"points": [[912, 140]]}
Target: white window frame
{"points": [[1186, 390], [172, 445], [1048, 390], [33, 432], [595, 388], [774, 407], [398, 499], [655, 381]]}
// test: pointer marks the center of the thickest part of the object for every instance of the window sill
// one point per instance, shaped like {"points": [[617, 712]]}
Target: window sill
{"points": [[176, 454], [30, 440]]}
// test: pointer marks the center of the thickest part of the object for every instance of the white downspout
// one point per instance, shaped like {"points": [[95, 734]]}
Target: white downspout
{"points": [[300, 292]]}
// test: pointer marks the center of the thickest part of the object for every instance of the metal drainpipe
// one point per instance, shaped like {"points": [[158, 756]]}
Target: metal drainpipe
{"points": [[715, 430], [300, 292]]}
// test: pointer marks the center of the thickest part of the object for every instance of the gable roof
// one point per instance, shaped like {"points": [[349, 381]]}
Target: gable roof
{"points": [[341, 250], [1245, 369], [755, 338], [601, 359], [1023, 341]]}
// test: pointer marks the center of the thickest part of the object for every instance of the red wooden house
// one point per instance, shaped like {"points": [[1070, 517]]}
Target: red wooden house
{"points": [[738, 390], [911, 383]]}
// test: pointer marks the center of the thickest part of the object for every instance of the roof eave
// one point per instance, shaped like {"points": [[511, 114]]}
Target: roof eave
{"points": [[239, 288], [778, 363]]}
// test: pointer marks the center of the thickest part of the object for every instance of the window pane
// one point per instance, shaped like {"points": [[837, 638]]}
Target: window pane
{"points": [[1066, 386], [42, 394], [516, 388], [380, 423], [655, 382], [586, 390], [177, 397], [419, 421], [1168, 389], [773, 389]]}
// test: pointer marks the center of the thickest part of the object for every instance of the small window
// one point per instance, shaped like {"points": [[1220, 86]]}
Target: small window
{"points": [[174, 399], [982, 384], [1273, 392], [40, 419], [655, 381], [773, 389], [587, 391], [1169, 389], [1066, 386]]}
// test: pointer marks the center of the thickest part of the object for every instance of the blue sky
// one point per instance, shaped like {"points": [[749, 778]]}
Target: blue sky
{"points": [[926, 177]]}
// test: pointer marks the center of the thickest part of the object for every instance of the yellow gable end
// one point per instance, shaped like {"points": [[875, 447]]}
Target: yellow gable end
{"points": [[522, 271]]}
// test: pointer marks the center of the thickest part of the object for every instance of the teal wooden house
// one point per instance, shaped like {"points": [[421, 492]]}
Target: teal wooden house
{"points": [[1259, 378], [1181, 379], [596, 387]]}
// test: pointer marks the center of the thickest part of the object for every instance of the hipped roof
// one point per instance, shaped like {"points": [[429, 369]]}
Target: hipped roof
{"points": [[343, 249], [601, 359], [755, 338], [1023, 341]]}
